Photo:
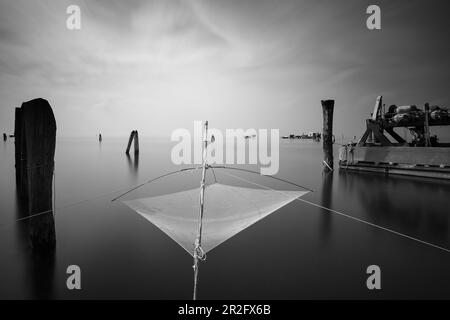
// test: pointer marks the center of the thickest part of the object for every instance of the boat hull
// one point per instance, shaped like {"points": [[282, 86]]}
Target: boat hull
{"points": [[431, 162]]}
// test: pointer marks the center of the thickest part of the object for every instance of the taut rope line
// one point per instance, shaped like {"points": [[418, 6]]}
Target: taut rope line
{"points": [[347, 216]]}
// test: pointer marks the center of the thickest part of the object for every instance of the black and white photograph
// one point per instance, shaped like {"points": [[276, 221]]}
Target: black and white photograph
{"points": [[224, 150]]}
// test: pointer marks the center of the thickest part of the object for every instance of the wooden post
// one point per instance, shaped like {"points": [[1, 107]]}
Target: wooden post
{"points": [[133, 136], [20, 155], [35, 132], [327, 137], [136, 142], [130, 140], [426, 126], [100, 137], [5, 137]]}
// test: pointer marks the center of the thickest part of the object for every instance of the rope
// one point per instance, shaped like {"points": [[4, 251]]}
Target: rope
{"points": [[152, 180], [199, 251], [89, 199], [214, 174], [331, 169], [348, 216], [236, 177], [258, 173]]}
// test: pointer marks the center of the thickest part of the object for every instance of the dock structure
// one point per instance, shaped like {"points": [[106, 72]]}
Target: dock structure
{"points": [[327, 134], [134, 135], [387, 152], [35, 140]]}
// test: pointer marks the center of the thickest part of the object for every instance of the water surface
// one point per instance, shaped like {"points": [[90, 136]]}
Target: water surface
{"points": [[299, 252]]}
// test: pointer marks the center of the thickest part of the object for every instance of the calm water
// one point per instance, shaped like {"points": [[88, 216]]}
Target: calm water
{"points": [[299, 252]]}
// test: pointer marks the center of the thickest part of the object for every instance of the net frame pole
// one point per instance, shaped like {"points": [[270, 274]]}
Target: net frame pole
{"points": [[198, 240]]}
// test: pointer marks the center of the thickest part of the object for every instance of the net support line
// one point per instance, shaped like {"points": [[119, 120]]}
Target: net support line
{"points": [[128, 190], [152, 180], [349, 216]]}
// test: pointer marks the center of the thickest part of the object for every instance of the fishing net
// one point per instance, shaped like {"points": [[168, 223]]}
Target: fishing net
{"points": [[227, 211]]}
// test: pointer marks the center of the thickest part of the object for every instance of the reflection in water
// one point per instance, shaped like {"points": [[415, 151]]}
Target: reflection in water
{"points": [[42, 270], [327, 187], [118, 248], [414, 205], [133, 165], [39, 264]]}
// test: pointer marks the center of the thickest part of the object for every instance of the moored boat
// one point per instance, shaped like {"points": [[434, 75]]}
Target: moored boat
{"points": [[382, 149]]}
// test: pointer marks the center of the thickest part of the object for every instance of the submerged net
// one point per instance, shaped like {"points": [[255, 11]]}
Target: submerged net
{"points": [[227, 211]]}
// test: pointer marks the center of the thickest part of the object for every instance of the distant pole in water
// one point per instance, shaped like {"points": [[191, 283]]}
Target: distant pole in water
{"points": [[327, 136], [130, 140], [426, 128], [35, 133], [133, 136], [100, 137], [5, 137], [136, 142]]}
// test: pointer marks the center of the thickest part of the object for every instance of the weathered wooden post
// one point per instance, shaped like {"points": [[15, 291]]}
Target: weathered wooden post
{"points": [[20, 155], [136, 142], [35, 132], [5, 137], [130, 140], [327, 136], [426, 126], [133, 136]]}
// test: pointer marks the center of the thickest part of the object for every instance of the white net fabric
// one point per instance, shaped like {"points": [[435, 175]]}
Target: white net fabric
{"points": [[227, 211]]}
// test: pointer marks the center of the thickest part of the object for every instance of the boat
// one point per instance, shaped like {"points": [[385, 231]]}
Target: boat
{"points": [[381, 149]]}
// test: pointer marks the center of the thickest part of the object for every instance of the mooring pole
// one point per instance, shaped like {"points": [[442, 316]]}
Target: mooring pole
{"points": [[35, 132], [327, 136], [20, 156], [136, 142], [198, 251], [426, 126], [130, 140]]}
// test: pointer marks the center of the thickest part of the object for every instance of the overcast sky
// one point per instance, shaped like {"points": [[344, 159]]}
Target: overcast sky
{"points": [[159, 65]]}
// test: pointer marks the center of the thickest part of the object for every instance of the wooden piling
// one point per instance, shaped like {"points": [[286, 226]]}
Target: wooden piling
{"points": [[20, 155], [327, 136], [426, 127], [5, 137], [136, 142], [133, 136], [130, 140], [35, 132]]}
